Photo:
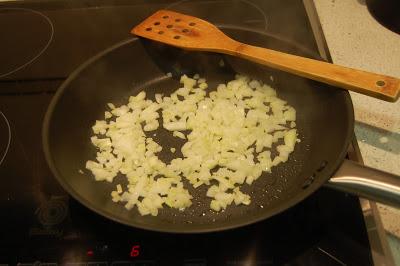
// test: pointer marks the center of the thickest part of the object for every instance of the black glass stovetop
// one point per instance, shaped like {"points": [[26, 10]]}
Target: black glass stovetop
{"points": [[41, 43]]}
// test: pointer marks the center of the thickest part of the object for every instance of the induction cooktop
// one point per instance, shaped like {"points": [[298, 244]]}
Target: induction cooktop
{"points": [[42, 43]]}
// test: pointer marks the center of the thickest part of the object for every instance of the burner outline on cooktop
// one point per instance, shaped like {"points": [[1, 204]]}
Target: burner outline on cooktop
{"points": [[9, 138], [47, 19], [331, 256], [244, 1]]}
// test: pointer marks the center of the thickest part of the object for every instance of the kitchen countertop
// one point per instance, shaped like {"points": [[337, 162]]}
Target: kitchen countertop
{"points": [[355, 39]]}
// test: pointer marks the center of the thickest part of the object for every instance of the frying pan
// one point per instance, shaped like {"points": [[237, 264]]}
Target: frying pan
{"points": [[324, 120]]}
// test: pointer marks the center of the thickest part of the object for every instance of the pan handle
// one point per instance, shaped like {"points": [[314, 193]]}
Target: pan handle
{"points": [[367, 182]]}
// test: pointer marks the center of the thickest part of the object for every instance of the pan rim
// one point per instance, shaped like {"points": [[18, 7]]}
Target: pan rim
{"points": [[185, 230]]}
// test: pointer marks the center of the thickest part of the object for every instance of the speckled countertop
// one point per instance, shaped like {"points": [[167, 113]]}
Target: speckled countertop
{"points": [[355, 39]]}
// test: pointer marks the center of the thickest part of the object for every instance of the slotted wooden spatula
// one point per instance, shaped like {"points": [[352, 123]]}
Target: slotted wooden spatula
{"points": [[196, 34]]}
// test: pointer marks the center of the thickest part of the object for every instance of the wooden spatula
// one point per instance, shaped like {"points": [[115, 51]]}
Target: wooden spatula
{"points": [[196, 34]]}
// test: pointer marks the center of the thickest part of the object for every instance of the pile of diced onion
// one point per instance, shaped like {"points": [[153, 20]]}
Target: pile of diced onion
{"points": [[229, 134]]}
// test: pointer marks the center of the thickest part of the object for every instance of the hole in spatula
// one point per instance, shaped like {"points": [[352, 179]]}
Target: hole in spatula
{"points": [[177, 37], [380, 83]]}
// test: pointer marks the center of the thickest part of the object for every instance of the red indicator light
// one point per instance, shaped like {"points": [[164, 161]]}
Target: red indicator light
{"points": [[135, 251], [89, 252]]}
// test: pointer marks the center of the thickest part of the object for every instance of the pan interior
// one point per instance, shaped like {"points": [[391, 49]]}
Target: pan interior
{"points": [[324, 122]]}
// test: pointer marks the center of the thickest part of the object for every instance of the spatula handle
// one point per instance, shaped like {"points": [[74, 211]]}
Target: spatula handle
{"points": [[371, 84]]}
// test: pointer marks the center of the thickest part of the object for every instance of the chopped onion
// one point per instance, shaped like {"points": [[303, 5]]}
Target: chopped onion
{"points": [[232, 130]]}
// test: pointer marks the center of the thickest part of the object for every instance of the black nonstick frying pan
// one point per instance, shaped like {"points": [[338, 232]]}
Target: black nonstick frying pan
{"points": [[324, 120]]}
